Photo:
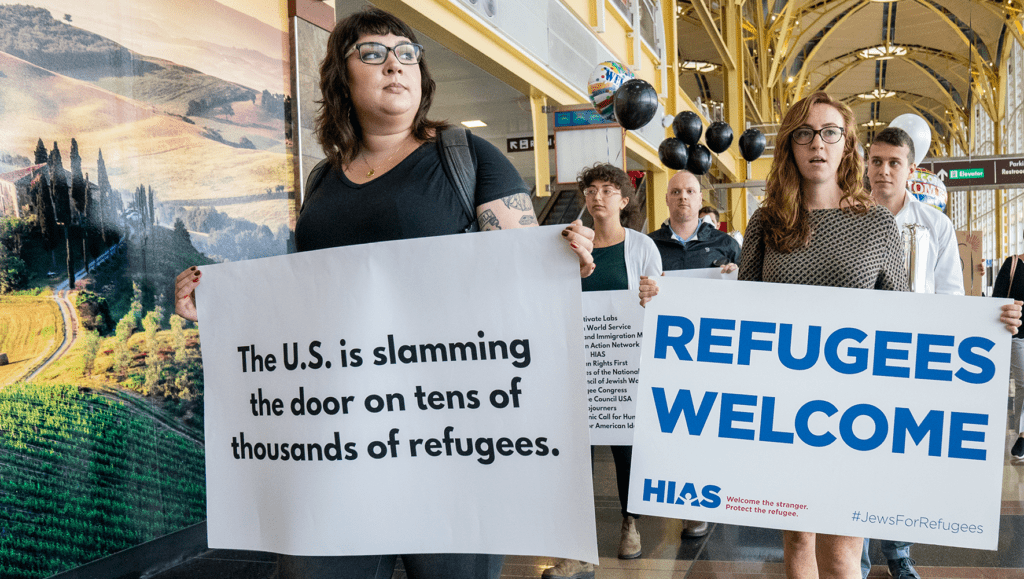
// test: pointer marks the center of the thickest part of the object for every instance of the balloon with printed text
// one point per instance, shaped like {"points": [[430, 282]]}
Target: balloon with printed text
{"points": [[673, 154], [604, 81], [700, 159], [752, 144], [636, 103], [718, 136], [687, 127]]}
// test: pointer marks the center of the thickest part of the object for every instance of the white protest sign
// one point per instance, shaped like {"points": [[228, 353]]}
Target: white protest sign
{"points": [[774, 405], [401, 397], [704, 273], [612, 330]]}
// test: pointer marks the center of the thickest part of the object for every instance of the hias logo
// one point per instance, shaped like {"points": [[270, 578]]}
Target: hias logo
{"points": [[681, 493]]}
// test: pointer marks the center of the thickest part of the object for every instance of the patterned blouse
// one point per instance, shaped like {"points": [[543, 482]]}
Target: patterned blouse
{"points": [[845, 250]]}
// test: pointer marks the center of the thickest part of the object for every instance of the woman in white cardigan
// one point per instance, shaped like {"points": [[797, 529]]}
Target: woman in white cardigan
{"points": [[622, 256]]}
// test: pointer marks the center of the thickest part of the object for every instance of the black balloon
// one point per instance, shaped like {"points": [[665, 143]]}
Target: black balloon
{"points": [[687, 127], [673, 154], [751, 144], [700, 159], [636, 103], [718, 136]]}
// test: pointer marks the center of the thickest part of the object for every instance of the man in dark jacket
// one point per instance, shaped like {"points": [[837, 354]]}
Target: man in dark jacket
{"points": [[686, 242]]}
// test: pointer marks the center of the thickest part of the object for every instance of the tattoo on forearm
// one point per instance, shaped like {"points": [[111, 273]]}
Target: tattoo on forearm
{"points": [[527, 220], [520, 201], [488, 221]]}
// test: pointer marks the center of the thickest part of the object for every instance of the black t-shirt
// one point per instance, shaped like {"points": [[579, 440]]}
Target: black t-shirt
{"points": [[414, 199]]}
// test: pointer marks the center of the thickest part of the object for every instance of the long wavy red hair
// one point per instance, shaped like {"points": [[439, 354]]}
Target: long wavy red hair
{"points": [[787, 224]]}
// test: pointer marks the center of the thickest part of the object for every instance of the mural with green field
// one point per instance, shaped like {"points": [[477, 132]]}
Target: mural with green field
{"points": [[140, 137]]}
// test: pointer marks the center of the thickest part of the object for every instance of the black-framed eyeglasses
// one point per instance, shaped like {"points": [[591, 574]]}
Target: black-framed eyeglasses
{"points": [[377, 53], [830, 135]]}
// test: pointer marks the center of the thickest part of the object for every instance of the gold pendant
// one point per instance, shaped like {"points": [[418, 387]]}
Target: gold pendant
{"points": [[370, 173]]}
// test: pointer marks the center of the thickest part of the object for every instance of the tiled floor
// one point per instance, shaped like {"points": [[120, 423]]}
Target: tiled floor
{"points": [[727, 552]]}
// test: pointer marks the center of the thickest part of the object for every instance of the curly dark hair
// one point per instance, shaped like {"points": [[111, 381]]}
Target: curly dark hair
{"points": [[615, 176], [337, 126]]}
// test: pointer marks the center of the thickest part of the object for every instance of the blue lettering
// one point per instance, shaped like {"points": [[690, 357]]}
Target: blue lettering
{"points": [[786, 347], [860, 355], [708, 339], [957, 435], [873, 441], [903, 423], [985, 366], [768, 433], [749, 344], [803, 430], [663, 341], [689, 493], [711, 498], [655, 492], [883, 353], [925, 356], [683, 404], [730, 414]]}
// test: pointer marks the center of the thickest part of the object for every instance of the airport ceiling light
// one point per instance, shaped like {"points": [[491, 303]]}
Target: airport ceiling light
{"points": [[882, 52], [876, 95], [474, 124], [698, 66], [873, 123]]}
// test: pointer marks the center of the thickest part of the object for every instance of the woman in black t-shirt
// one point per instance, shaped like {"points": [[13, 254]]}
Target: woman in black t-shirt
{"points": [[385, 181]]}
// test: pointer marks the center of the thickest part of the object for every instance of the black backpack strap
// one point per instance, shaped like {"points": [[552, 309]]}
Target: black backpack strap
{"points": [[313, 181], [460, 169]]}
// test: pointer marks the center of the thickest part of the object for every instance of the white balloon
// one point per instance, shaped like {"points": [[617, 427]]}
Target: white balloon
{"points": [[919, 131]]}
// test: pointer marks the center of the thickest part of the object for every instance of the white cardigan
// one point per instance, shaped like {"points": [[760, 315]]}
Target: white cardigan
{"points": [[642, 258]]}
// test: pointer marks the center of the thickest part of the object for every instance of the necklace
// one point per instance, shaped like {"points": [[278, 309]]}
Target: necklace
{"points": [[386, 161]]}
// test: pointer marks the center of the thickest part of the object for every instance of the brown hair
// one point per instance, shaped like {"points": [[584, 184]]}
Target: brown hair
{"points": [[787, 225], [337, 126], [896, 137], [615, 176]]}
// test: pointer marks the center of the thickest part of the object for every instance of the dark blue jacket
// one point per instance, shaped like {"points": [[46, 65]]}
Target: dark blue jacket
{"points": [[711, 245]]}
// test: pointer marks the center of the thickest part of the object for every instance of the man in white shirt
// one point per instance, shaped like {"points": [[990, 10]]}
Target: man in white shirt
{"points": [[932, 257]]}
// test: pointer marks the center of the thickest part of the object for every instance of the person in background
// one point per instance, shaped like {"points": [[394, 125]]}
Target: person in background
{"points": [[385, 181], [709, 215], [932, 258], [686, 242], [1010, 283], [622, 256]]}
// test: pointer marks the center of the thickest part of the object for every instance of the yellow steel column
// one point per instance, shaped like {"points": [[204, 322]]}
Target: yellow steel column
{"points": [[735, 115], [657, 211], [541, 162]]}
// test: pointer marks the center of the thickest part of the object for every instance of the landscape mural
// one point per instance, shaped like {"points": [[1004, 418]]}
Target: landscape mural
{"points": [[137, 138]]}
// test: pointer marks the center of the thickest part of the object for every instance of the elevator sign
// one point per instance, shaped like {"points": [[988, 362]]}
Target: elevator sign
{"points": [[978, 173]]}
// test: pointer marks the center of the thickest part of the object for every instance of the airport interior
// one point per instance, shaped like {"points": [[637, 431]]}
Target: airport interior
{"points": [[520, 72]]}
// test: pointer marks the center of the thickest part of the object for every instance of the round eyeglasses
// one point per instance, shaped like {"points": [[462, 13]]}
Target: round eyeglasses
{"points": [[830, 135], [603, 191], [377, 53]]}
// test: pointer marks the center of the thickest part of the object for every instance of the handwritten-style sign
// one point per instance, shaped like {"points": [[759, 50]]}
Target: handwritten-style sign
{"points": [[419, 385], [817, 390]]}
